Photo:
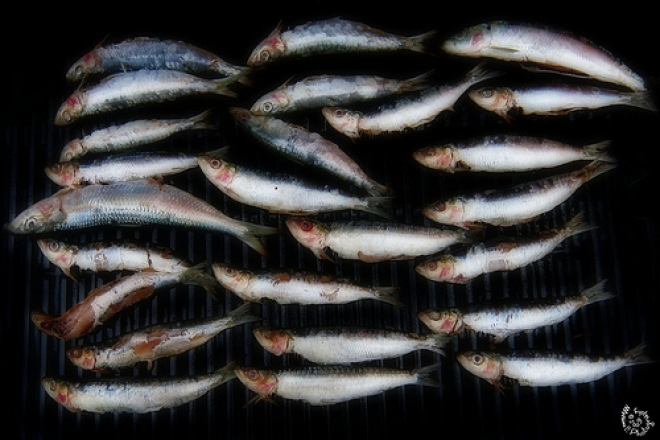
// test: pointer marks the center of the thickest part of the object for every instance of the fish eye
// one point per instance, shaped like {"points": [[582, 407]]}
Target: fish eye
{"points": [[478, 359], [54, 246], [264, 56], [30, 224], [306, 225], [253, 375], [339, 113], [432, 265], [230, 271], [267, 107], [441, 207], [487, 93], [215, 164]]}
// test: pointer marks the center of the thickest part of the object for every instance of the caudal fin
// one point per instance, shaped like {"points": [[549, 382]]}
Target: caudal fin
{"points": [[198, 277], [252, 234], [638, 355], [423, 43], [596, 293], [642, 100], [576, 225], [389, 295], [199, 121]]}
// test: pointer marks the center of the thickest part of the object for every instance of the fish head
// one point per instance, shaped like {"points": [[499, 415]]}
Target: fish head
{"points": [[262, 382], [470, 42], [89, 63], [245, 117], [43, 216], [73, 150], [232, 279], [83, 357], [485, 365], [343, 120], [275, 341], [494, 99], [271, 103], [309, 233], [442, 321], [219, 171], [59, 390], [71, 109], [59, 253], [438, 269], [270, 48], [437, 158], [448, 212], [64, 173]]}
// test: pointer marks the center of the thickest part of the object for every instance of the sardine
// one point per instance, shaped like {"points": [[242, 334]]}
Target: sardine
{"points": [[406, 111], [290, 287], [345, 345], [502, 254], [506, 318], [371, 242], [123, 90], [531, 44], [514, 205], [544, 369], [107, 300], [156, 342], [136, 203], [507, 153], [133, 394], [130, 135], [306, 147], [331, 36], [331, 384]]}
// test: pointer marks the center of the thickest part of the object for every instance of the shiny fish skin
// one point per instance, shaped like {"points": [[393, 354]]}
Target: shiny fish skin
{"points": [[527, 43], [331, 36], [132, 394]]}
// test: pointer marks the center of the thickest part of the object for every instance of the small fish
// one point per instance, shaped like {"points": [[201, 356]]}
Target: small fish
{"points": [[514, 205], [307, 148], [108, 257], [135, 203], [502, 254], [507, 318], [156, 342], [329, 37], [124, 90], [532, 44], [281, 193], [496, 154], [371, 242], [290, 287], [543, 369], [555, 100], [132, 134], [132, 394], [345, 345], [152, 54], [120, 168], [332, 90], [107, 300], [411, 110], [330, 384]]}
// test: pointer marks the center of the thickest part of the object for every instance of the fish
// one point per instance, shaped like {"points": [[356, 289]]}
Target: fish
{"points": [[410, 110], [117, 138], [345, 345], [555, 100], [156, 342], [132, 394], [500, 254], [120, 168], [330, 37], [547, 368], [135, 203], [295, 287], [507, 318], [152, 54], [332, 90], [129, 89], [107, 300], [559, 50], [515, 204], [506, 153], [281, 193], [326, 385], [307, 148], [371, 242], [109, 257]]}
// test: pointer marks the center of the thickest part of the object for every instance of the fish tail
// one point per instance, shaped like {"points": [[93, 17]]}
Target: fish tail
{"points": [[422, 43], [598, 151], [198, 277], [576, 226], [242, 315], [417, 83], [389, 295], [375, 206], [642, 100], [423, 374], [593, 169], [437, 343], [225, 373], [222, 85], [376, 189], [252, 234], [638, 355], [596, 293], [480, 73], [199, 121]]}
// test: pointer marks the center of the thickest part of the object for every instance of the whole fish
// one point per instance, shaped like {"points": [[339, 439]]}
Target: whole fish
{"points": [[132, 394], [514, 205], [543, 369], [281, 193], [123, 90], [156, 342], [506, 318], [307, 148], [331, 36], [331, 90], [131, 135], [371, 242], [406, 111], [330, 384], [502, 254], [507, 153], [107, 300], [345, 345], [290, 287], [120, 168], [555, 100], [153, 54], [136, 203], [532, 44], [108, 257]]}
